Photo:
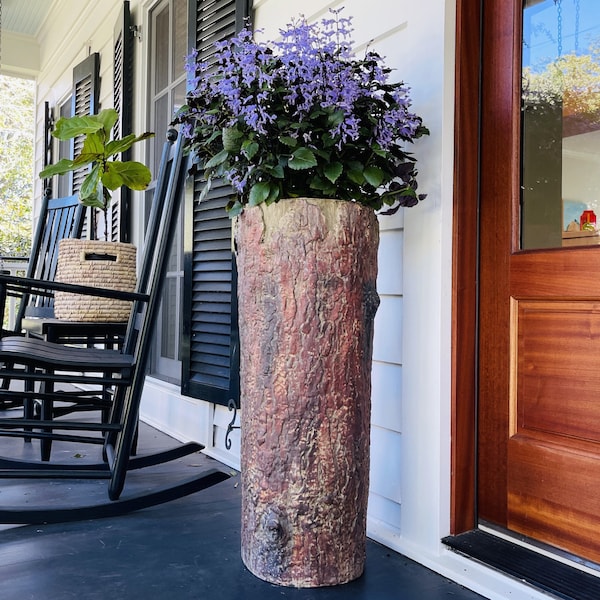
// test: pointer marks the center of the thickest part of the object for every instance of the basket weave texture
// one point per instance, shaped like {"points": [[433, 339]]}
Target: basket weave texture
{"points": [[109, 265]]}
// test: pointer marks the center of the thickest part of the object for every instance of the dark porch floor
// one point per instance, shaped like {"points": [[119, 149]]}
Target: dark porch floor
{"points": [[187, 548]]}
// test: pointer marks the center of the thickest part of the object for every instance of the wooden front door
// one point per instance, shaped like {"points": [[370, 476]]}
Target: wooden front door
{"points": [[539, 310]]}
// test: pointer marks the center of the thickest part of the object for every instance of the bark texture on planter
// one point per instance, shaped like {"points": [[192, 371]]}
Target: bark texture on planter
{"points": [[307, 300]]}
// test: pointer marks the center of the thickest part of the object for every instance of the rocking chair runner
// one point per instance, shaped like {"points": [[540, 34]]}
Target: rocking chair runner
{"points": [[41, 364]]}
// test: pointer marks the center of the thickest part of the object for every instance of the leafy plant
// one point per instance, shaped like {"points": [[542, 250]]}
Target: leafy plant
{"points": [[302, 117], [100, 150], [16, 163], [570, 82]]}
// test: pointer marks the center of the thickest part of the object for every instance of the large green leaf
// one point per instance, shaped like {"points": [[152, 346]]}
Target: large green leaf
{"points": [[232, 139], [332, 171], [288, 141], [274, 193], [134, 175], [259, 192], [66, 129], [234, 208], [217, 159], [302, 158], [275, 171], [94, 145], [355, 173], [107, 117], [64, 165], [250, 148], [118, 146], [90, 193], [374, 175]]}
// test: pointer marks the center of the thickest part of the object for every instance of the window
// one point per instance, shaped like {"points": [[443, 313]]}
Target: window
{"points": [[196, 339], [168, 43]]}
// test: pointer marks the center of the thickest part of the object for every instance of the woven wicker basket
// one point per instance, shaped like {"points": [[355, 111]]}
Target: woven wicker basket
{"points": [[109, 265]]}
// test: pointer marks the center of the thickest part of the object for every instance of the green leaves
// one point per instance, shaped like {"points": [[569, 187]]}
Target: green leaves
{"points": [[263, 191], [64, 165], [90, 194], [217, 160], [232, 139], [302, 158], [332, 171], [249, 149], [95, 186], [68, 128], [131, 174], [259, 192], [98, 149], [300, 118], [115, 147], [374, 176]]}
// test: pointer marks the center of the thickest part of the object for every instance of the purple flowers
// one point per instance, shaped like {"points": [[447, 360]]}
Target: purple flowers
{"points": [[302, 116]]}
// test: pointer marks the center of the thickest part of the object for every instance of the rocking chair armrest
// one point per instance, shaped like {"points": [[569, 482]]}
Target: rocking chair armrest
{"points": [[12, 285]]}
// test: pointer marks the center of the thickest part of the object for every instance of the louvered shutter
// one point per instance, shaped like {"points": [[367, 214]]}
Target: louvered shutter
{"points": [[84, 101], [119, 211], [86, 87], [210, 354]]}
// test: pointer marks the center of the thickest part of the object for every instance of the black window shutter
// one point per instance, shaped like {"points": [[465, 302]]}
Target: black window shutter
{"points": [[86, 88], [84, 101], [210, 353], [119, 210]]}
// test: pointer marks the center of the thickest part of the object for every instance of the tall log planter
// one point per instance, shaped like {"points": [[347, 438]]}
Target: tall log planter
{"points": [[307, 301]]}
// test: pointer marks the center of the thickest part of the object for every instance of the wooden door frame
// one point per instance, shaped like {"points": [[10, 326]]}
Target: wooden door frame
{"points": [[473, 156], [463, 510]]}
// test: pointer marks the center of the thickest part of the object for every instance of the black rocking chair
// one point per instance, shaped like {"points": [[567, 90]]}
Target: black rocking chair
{"points": [[58, 218], [45, 368]]}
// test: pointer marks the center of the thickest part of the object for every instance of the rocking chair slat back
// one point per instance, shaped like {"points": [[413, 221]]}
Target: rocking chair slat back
{"points": [[59, 218]]}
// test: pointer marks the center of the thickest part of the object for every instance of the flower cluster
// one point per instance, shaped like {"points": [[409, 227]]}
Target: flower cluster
{"points": [[302, 117]]}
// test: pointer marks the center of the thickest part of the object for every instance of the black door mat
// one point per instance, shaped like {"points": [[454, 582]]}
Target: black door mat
{"points": [[526, 565]]}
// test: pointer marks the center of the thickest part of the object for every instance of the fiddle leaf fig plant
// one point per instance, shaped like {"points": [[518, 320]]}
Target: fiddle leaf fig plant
{"points": [[100, 151]]}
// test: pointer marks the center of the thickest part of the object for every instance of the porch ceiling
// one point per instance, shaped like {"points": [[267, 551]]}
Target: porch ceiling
{"points": [[19, 47], [24, 18]]}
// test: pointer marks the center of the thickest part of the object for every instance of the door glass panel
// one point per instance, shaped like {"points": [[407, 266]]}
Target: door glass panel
{"points": [[560, 185]]}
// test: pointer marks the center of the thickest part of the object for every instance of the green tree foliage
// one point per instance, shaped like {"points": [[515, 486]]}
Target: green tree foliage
{"points": [[573, 81], [16, 165]]}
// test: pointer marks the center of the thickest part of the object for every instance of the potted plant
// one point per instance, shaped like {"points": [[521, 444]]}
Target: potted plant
{"points": [[97, 262], [313, 141]]}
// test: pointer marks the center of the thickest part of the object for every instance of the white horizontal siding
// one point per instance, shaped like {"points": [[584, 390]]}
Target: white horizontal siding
{"points": [[386, 405]]}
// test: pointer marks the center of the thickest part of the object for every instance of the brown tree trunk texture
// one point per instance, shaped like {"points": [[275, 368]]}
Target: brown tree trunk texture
{"points": [[307, 301]]}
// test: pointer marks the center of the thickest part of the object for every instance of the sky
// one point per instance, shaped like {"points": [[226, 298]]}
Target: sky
{"points": [[555, 27]]}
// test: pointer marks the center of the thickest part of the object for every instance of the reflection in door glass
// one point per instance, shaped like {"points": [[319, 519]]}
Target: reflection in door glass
{"points": [[560, 185]]}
